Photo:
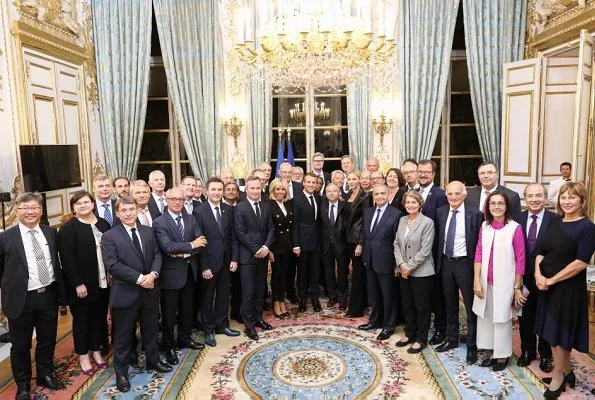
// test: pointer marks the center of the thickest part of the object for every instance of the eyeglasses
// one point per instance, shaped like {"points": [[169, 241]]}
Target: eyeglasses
{"points": [[176, 199], [497, 203], [27, 209]]}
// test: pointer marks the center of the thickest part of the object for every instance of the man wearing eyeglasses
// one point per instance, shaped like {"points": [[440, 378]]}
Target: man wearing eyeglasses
{"points": [[409, 170], [31, 289], [488, 177]]}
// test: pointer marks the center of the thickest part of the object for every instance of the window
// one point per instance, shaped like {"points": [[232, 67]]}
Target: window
{"points": [[318, 122]]}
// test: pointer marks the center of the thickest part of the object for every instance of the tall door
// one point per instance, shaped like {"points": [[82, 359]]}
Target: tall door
{"points": [[583, 96]]}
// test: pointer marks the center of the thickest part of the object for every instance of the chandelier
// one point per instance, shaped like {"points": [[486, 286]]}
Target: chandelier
{"points": [[316, 43]]}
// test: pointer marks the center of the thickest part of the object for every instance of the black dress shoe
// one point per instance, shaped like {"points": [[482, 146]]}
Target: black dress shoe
{"points": [[367, 327], [302, 306], [546, 365], [385, 334], [570, 378], [210, 340], [403, 342], [122, 383], [525, 359], [351, 314], [437, 338], [171, 357], [471, 355], [160, 367], [499, 365], [50, 381], [251, 333], [263, 325], [446, 346], [413, 350], [554, 394], [316, 305], [23, 395], [228, 332], [343, 305], [192, 345]]}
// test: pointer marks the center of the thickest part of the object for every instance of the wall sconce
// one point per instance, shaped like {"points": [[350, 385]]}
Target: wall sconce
{"points": [[382, 126], [233, 126]]}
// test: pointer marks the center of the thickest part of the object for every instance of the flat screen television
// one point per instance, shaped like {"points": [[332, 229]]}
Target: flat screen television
{"points": [[50, 167]]}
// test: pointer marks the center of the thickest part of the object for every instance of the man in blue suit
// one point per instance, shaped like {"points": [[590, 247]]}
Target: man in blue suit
{"points": [[534, 222], [132, 258], [254, 233], [179, 237], [376, 246], [217, 262]]}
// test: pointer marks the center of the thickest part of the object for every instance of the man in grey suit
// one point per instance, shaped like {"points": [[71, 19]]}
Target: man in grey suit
{"points": [[488, 177]]}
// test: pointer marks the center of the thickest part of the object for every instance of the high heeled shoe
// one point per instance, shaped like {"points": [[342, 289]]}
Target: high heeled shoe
{"points": [[286, 315], [554, 394], [278, 316], [570, 378]]}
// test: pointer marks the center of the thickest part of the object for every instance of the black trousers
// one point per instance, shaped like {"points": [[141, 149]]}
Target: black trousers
{"points": [[236, 293], [458, 275], [89, 326], [177, 305], [279, 275], [416, 306], [527, 325], [40, 313], [197, 301], [358, 296], [215, 300], [290, 276], [147, 307], [381, 289], [437, 304], [252, 291], [336, 270], [308, 274]]}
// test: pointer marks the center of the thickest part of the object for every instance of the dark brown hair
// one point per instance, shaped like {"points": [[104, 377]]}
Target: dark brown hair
{"points": [[486, 207], [76, 196]]}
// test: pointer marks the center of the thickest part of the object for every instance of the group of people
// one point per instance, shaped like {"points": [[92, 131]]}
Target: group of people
{"points": [[165, 257]]}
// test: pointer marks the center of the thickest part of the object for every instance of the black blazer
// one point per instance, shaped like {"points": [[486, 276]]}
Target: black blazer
{"points": [[78, 255], [282, 242], [251, 233], [474, 195], [154, 208], [436, 198], [355, 215], [14, 272], [398, 199], [306, 228], [378, 251], [333, 234], [473, 221], [222, 248], [125, 263], [115, 218]]}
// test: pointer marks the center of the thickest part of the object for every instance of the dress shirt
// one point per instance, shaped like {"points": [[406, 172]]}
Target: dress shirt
{"points": [[157, 197], [174, 216], [460, 243], [376, 215], [330, 205], [146, 214], [189, 206], [281, 205], [215, 211], [34, 282], [483, 196], [530, 221], [554, 189], [254, 209], [424, 191], [290, 185], [314, 201], [99, 207], [129, 231]]}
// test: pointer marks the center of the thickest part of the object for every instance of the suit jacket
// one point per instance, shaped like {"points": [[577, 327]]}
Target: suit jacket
{"points": [[397, 201], [415, 249], [354, 219], [548, 216], [125, 263], [474, 195], [154, 208], [174, 270], [378, 245], [114, 217], [436, 198], [78, 255], [333, 234], [252, 233], [222, 247], [282, 242], [306, 229], [473, 221], [14, 271]]}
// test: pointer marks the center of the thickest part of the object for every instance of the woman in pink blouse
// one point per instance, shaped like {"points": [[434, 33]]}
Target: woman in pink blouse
{"points": [[499, 269]]}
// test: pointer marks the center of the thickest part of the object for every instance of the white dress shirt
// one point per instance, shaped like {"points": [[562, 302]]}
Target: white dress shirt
{"points": [[140, 242], [460, 244], [424, 191], [101, 210], [378, 215], [189, 206], [530, 221], [314, 201], [483, 196], [34, 282], [215, 211], [330, 206], [157, 197], [144, 213], [282, 207]]}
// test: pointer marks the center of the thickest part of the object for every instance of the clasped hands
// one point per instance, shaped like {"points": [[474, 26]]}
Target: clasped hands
{"points": [[542, 282], [148, 281], [262, 252], [403, 270]]}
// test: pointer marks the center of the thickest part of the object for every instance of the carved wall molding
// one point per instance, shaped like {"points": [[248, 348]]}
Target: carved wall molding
{"points": [[98, 166], [90, 64], [10, 208], [61, 15]]}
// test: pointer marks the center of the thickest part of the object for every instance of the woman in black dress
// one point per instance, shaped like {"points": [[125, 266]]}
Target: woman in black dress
{"points": [[282, 247], [85, 278], [357, 201], [560, 275]]}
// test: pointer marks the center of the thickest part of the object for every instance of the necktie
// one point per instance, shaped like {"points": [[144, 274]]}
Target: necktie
{"points": [[257, 209], [189, 207], [449, 246], [180, 226], [532, 237], [219, 222], [136, 241], [376, 220], [42, 267], [313, 206], [484, 201], [107, 215], [143, 218], [161, 205], [332, 216]]}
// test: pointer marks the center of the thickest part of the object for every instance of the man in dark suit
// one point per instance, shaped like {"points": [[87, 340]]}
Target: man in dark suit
{"points": [[254, 233], [376, 244], [534, 222], [339, 179], [267, 170], [179, 237], [457, 233], [217, 262], [488, 177], [306, 241], [317, 169], [157, 202], [188, 186], [32, 288], [132, 257], [104, 204], [334, 247]]}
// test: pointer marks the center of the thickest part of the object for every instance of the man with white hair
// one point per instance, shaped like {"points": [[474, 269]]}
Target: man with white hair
{"points": [[157, 202], [372, 164]]}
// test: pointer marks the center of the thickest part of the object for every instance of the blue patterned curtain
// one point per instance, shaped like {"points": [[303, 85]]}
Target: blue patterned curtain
{"points": [[192, 48], [494, 35], [122, 33], [426, 30], [359, 121], [259, 121]]}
